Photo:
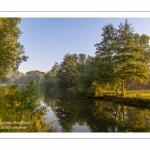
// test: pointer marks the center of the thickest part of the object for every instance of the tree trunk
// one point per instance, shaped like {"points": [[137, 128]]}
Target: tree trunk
{"points": [[116, 111], [67, 92], [123, 88], [117, 92]]}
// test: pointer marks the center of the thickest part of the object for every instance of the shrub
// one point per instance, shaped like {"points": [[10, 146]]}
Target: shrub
{"points": [[96, 90], [20, 109]]}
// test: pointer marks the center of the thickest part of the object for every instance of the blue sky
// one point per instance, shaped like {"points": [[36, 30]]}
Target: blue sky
{"points": [[47, 40]]}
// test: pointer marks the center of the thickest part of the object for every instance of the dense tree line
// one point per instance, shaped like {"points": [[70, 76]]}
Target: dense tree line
{"points": [[121, 62], [36, 75]]}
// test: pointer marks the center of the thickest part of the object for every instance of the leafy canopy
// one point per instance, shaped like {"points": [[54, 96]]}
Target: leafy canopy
{"points": [[121, 54], [11, 51]]}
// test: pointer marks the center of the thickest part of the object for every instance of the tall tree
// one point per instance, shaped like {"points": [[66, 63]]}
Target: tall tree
{"points": [[11, 51], [122, 53], [103, 62], [67, 74]]}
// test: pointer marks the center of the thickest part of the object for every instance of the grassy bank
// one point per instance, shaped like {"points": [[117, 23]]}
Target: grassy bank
{"points": [[140, 98]]}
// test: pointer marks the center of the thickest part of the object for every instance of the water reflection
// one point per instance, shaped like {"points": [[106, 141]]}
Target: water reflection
{"points": [[92, 115]]}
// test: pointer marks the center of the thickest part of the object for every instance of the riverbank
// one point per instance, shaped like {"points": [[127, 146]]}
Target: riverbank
{"points": [[132, 98], [76, 114], [142, 101]]}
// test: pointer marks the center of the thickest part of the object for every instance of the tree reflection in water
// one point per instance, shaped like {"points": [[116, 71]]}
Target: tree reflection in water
{"points": [[97, 115]]}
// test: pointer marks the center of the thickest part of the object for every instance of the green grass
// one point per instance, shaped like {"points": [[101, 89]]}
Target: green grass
{"points": [[145, 92], [136, 97]]}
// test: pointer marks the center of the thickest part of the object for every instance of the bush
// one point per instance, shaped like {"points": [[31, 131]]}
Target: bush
{"points": [[96, 90], [20, 109]]}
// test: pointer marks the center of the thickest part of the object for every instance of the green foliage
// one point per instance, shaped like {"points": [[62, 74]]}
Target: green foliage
{"points": [[81, 67], [53, 71], [27, 96], [21, 111], [67, 74], [121, 55], [87, 74], [76, 57], [96, 90], [11, 51], [121, 62], [50, 83], [20, 78], [36, 75], [82, 58], [50, 77]]}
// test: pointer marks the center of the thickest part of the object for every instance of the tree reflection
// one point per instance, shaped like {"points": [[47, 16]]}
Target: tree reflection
{"points": [[123, 118], [99, 116]]}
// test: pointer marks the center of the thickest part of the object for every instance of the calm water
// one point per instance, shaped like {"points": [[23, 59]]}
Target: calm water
{"points": [[92, 115]]}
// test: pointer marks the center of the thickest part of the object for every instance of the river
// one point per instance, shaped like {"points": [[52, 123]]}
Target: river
{"points": [[94, 115]]}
